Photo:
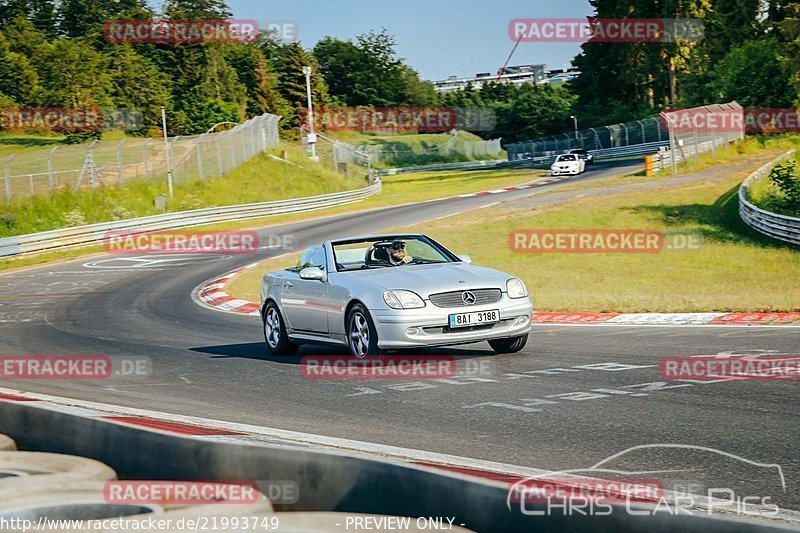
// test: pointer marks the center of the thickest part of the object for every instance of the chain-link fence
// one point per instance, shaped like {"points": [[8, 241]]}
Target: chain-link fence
{"points": [[644, 131], [119, 162], [698, 130], [453, 150], [340, 156]]}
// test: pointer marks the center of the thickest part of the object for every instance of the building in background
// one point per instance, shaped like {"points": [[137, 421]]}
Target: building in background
{"points": [[518, 75]]}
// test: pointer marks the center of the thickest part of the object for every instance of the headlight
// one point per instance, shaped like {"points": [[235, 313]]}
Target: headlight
{"points": [[399, 299], [516, 289]]}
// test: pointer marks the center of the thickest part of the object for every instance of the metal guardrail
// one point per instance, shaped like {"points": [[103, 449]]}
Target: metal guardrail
{"points": [[607, 153], [95, 233], [781, 227]]}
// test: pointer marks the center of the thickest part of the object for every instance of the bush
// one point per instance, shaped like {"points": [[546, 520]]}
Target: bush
{"points": [[785, 178]]}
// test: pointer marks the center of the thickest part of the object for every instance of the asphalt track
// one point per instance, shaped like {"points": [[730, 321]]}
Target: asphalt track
{"points": [[573, 397]]}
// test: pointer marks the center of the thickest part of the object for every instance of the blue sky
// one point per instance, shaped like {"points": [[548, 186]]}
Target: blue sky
{"points": [[438, 38]]}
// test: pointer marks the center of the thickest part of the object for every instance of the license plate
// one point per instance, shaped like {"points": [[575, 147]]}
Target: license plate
{"points": [[463, 320]]}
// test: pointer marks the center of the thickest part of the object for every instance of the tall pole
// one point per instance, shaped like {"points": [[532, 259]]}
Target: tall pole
{"points": [[575, 121], [166, 149], [312, 137]]}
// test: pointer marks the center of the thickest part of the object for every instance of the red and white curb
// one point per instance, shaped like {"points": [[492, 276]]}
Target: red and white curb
{"points": [[670, 319], [220, 431], [192, 427], [537, 183], [212, 294]]}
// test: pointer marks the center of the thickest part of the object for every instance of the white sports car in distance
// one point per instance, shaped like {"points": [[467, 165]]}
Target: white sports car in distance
{"points": [[568, 164]]}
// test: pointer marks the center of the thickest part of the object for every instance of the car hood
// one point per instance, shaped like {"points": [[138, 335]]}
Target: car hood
{"points": [[431, 279]]}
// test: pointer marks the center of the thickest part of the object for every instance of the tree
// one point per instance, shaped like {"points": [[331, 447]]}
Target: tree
{"points": [[755, 75], [19, 80], [197, 9], [73, 74], [290, 62], [536, 110], [368, 72], [260, 79], [137, 83]]}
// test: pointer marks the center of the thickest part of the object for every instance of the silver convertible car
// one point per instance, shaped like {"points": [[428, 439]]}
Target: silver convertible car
{"points": [[390, 292]]}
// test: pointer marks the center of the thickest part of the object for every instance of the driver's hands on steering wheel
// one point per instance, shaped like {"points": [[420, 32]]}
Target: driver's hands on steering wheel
{"points": [[407, 259]]}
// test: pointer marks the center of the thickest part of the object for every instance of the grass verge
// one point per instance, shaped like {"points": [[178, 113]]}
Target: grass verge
{"points": [[736, 269], [258, 180], [404, 188]]}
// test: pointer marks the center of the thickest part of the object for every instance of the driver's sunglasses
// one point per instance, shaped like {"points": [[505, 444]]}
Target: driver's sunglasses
{"points": [[397, 247]]}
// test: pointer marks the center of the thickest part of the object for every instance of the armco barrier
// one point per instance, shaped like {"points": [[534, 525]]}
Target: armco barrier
{"points": [[781, 227], [94, 233], [326, 481], [605, 153]]}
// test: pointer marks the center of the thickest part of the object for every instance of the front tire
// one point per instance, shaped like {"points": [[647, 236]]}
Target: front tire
{"points": [[275, 335], [362, 337], [510, 345]]}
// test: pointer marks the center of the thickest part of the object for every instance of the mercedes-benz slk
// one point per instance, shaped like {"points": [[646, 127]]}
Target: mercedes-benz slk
{"points": [[390, 292]]}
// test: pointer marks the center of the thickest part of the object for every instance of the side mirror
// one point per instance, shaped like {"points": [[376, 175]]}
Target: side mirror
{"points": [[312, 273], [465, 258]]}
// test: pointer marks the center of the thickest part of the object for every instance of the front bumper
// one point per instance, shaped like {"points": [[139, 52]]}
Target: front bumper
{"points": [[429, 326], [564, 171]]}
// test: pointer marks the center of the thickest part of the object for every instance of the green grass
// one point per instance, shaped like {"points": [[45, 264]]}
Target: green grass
{"points": [[258, 180], [736, 269], [752, 144], [417, 149], [19, 143], [766, 195], [396, 190]]}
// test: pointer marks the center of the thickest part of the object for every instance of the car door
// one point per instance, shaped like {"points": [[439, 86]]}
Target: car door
{"points": [[305, 302]]}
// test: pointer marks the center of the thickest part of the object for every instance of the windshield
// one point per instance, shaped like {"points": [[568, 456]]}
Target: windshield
{"points": [[568, 157], [388, 252]]}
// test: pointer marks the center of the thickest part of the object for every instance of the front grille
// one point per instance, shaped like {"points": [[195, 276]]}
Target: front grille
{"points": [[454, 298]]}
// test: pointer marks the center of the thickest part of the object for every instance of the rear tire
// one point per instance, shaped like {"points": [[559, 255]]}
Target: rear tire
{"points": [[275, 335], [510, 345], [362, 337]]}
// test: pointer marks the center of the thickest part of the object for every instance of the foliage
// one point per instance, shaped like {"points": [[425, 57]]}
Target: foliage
{"points": [[787, 180]]}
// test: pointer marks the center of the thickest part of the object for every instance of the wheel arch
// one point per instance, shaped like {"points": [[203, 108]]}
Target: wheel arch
{"points": [[352, 303]]}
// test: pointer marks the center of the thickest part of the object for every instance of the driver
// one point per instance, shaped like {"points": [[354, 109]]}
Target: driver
{"points": [[397, 253]]}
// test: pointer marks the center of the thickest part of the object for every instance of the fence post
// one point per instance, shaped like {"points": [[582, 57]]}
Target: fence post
{"points": [[50, 174], [120, 179], [8, 176], [174, 165], [197, 148], [144, 158], [610, 136], [644, 139], [219, 155]]}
